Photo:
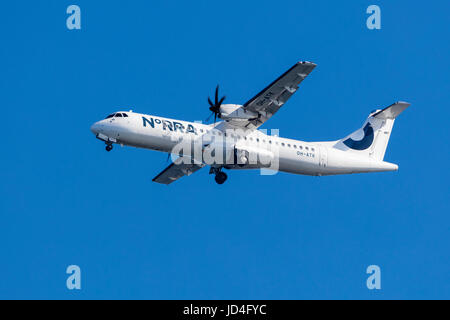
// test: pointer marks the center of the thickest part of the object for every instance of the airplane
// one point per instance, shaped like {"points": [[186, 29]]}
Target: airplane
{"points": [[236, 142]]}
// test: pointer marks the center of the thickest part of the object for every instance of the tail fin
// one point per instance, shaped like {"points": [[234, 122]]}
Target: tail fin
{"points": [[372, 139]]}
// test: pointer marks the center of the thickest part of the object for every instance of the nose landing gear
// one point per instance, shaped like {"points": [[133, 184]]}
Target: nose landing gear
{"points": [[109, 147]]}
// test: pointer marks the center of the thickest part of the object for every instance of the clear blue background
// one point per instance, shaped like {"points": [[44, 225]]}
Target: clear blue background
{"points": [[65, 201]]}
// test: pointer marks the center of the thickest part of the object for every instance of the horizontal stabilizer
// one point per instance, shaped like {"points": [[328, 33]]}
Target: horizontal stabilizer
{"points": [[393, 111]]}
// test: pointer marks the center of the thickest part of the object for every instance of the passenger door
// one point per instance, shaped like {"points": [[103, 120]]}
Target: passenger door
{"points": [[323, 161]]}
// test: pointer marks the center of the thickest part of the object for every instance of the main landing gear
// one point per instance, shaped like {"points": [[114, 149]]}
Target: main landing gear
{"points": [[109, 147], [220, 177]]}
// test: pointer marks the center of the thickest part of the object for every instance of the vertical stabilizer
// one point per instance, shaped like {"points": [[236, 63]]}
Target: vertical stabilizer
{"points": [[373, 138]]}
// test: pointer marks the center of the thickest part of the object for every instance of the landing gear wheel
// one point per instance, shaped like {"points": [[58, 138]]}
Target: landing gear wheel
{"points": [[221, 177], [109, 147]]}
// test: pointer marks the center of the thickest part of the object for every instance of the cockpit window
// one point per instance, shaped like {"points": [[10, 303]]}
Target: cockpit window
{"points": [[120, 115]]}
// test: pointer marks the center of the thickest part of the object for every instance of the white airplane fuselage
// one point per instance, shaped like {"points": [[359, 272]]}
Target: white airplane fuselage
{"points": [[293, 156]]}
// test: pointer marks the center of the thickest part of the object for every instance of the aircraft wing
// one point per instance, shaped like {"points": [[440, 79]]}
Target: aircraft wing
{"points": [[181, 167], [274, 96]]}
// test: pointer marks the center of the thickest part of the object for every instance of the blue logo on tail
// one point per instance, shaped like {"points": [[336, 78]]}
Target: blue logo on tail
{"points": [[365, 142]]}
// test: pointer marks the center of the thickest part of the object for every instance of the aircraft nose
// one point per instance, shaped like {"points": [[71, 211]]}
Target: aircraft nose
{"points": [[95, 128]]}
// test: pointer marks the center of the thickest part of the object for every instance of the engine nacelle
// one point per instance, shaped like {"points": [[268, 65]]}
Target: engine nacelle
{"points": [[235, 112]]}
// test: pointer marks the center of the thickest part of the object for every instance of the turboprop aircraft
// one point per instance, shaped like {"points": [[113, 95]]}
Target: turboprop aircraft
{"points": [[235, 142]]}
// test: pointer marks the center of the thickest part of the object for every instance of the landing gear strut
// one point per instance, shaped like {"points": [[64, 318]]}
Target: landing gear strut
{"points": [[109, 147]]}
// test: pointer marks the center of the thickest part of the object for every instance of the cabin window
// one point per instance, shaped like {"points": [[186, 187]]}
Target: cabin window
{"points": [[289, 145], [283, 144]]}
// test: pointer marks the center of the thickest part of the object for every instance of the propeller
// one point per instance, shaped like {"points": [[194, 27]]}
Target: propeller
{"points": [[215, 107]]}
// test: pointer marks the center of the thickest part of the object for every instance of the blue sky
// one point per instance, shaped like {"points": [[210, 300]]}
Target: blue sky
{"points": [[65, 201]]}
